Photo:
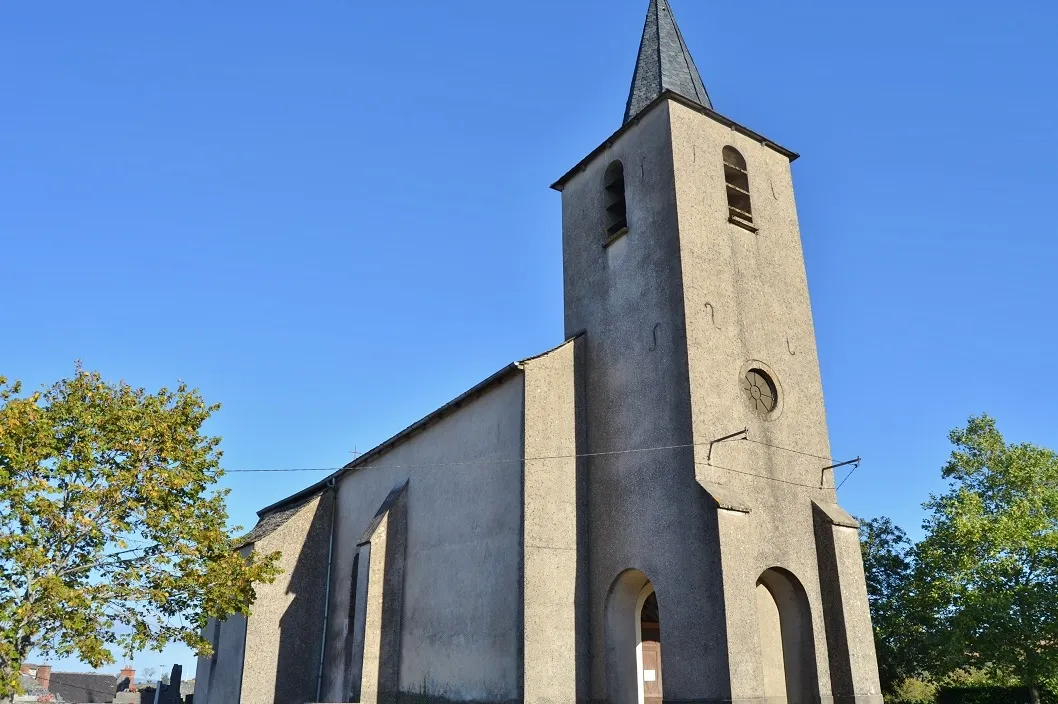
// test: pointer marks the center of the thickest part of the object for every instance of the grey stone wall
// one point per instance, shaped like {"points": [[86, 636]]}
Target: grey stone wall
{"points": [[224, 682], [553, 640], [461, 626], [205, 665], [284, 633], [274, 655], [674, 314], [747, 305], [646, 511], [850, 637], [373, 673]]}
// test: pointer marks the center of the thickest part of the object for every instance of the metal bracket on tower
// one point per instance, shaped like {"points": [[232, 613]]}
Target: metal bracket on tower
{"points": [[742, 434], [823, 473]]}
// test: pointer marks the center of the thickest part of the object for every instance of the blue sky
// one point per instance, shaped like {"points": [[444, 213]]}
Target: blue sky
{"points": [[332, 217]]}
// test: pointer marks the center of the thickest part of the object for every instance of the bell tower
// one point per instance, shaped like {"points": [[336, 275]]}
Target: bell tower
{"points": [[720, 567]]}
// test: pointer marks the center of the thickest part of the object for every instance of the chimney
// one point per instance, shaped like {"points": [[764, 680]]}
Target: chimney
{"points": [[44, 676], [128, 673], [25, 669]]}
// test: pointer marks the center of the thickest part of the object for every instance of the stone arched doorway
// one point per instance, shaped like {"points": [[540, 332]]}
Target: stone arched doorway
{"points": [[788, 658], [649, 648], [633, 641]]}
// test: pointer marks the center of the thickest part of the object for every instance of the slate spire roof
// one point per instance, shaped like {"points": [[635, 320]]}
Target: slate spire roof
{"points": [[664, 63]]}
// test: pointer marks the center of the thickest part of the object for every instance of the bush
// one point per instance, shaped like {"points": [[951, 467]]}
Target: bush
{"points": [[990, 695], [913, 691]]}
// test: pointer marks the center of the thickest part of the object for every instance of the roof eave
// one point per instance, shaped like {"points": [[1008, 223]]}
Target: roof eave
{"points": [[371, 454], [498, 377], [686, 102]]}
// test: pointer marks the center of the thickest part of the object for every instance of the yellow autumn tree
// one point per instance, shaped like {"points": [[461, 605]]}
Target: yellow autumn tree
{"points": [[113, 534]]}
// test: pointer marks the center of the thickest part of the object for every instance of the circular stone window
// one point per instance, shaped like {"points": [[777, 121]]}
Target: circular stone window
{"points": [[760, 391]]}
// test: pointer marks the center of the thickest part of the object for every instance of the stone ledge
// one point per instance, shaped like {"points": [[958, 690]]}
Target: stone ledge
{"points": [[724, 497], [836, 515]]}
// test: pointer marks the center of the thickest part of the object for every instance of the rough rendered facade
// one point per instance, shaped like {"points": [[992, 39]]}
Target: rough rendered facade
{"points": [[642, 514]]}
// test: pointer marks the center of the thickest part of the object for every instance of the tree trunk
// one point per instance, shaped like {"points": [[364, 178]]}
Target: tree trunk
{"points": [[1034, 694], [5, 674]]}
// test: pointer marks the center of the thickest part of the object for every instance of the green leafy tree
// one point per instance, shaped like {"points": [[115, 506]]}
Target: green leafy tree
{"points": [[888, 568], [112, 533], [987, 570]]}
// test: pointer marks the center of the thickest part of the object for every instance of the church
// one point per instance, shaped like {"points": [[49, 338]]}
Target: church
{"points": [[645, 513]]}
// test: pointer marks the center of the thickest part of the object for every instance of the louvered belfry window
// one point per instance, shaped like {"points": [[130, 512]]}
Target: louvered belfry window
{"points": [[616, 206], [739, 207]]}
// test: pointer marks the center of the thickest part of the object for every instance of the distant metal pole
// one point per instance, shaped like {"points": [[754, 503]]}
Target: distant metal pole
{"points": [[158, 692]]}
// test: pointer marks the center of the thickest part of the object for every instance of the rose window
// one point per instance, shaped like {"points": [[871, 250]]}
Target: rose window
{"points": [[760, 391]]}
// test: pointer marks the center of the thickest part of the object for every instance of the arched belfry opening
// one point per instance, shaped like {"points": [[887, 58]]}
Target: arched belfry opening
{"points": [[616, 202], [788, 660], [736, 176], [633, 641]]}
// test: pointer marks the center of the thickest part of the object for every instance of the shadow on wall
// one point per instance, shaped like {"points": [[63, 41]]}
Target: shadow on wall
{"points": [[301, 626], [830, 576]]}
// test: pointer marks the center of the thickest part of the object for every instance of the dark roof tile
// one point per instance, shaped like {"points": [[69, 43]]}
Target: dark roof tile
{"points": [[664, 63]]}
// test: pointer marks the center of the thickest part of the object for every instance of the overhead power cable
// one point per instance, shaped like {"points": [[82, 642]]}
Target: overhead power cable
{"points": [[149, 548], [658, 448], [758, 476], [787, 449]]}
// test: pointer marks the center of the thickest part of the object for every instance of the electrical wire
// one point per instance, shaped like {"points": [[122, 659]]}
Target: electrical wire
{"points": [[589, 454], [788, 449], [759, 476], [566, 456], [473, 462]]}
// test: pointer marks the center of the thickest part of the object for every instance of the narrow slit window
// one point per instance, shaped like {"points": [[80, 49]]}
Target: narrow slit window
{"points": [[736, 176], [616, 206], [351, 649]]}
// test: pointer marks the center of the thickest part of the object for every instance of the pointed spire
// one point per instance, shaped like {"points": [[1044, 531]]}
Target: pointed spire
{"points": [[664, 63]]}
